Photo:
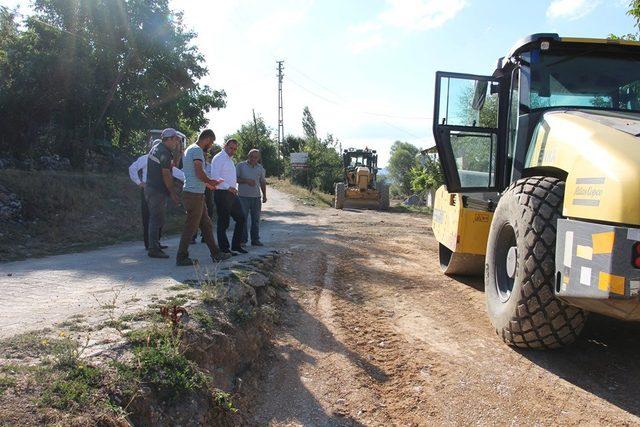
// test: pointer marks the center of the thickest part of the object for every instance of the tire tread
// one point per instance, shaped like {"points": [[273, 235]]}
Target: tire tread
{"points": [[541, 320]]}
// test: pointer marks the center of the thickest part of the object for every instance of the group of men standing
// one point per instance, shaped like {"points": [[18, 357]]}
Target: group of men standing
{"points": [[238, 192]]}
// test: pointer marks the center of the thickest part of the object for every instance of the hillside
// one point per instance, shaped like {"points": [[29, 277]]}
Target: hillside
{"points": [[45, 212]]}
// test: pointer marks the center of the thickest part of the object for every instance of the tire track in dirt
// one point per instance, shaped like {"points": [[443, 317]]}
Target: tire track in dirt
{"points": [[374, 334]]}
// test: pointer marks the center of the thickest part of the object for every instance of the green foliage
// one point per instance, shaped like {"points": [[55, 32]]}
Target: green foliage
{"points": [[76, 386], [309, 124], [6, 382], [224, 401], [634, 12], [77, 80], [159, 361], [426, 175], [402, 160], [204, 318], [257, 135], [325, 163]]}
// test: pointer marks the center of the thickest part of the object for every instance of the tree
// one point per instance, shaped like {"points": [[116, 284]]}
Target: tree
{"points": [[83, 76], [309, 124], [258, 135], [402, 160], [427, 174]]}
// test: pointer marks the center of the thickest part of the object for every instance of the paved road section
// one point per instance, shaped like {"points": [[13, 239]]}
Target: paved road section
{"points": [[41, 292]]}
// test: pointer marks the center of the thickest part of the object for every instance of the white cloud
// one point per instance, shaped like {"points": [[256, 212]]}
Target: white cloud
{"points": [[421, 15], [571, 9], [406, 15]]}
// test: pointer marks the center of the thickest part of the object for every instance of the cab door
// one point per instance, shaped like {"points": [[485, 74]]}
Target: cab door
{"points": [[465, 128]]}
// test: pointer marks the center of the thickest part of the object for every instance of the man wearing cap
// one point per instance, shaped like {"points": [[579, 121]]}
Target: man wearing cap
{"points": [[226, 199], [138, 174], [159, 185], [196, 180], [251, 179]]}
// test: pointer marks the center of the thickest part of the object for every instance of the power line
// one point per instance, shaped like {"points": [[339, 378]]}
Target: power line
{"points": [[391, 116], [342, 105]]}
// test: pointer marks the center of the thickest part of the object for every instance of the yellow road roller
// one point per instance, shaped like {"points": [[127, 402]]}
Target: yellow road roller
{"points": [[542, 163]]}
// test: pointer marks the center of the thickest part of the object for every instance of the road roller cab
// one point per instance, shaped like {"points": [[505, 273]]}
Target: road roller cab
{"points": [[541, 165]]}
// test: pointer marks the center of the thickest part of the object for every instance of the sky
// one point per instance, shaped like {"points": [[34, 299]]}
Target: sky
{"points": [[366, 68]]}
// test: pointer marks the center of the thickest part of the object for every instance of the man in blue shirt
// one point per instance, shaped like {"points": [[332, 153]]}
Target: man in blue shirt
{"points": [[195, 182]]}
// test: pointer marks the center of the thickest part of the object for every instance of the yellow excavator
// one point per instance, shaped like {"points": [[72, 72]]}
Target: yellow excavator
{"points": [[542, 164], [360, 186]]}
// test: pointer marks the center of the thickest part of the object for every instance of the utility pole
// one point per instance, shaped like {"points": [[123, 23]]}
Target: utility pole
{"points": [[280, 111], [255, 129]]}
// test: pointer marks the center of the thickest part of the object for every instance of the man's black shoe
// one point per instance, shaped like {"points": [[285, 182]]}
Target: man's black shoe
{"points": [[257, 243], [242, 251], [221, 256], [158, 254], [183, 262], [163, 246]]}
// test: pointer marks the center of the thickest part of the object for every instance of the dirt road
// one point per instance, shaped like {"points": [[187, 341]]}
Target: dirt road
{"points": [[374, 334]]}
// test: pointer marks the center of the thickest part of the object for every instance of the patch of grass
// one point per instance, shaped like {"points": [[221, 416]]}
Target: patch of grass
{"points": [[29, 344], [159, 361], [143, 315], [204, 318], [211, 291], [301, 194], [6, 382], [74, 387], [401, 208], [239, 274], [179, 287], [241, 315], [75, 324], [117, 324], [69, 383], [271, 313], [224, 401]]}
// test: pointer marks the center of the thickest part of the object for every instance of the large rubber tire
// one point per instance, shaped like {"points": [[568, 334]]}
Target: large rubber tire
{"points": [[524, 309], [383, 196], [452, 263], [340, 196]]}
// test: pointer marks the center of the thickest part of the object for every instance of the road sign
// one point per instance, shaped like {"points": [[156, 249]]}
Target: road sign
{"points": [[299, 160]]}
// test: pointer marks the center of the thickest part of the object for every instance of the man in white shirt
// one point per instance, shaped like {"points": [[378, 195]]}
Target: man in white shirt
{"points": [[226, 199], [138, 174]]}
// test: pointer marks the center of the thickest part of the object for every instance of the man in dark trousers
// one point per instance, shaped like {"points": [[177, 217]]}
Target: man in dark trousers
{"points": [[195, 182], [159, 185], [226, 198], [138, 174]]}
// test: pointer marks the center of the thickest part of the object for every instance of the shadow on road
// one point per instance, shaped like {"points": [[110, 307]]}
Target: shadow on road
{"points": [[604, 361]]}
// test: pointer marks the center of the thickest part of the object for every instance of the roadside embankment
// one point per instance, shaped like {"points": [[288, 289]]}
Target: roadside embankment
{"points": [[177, 362], [53, 212]]}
